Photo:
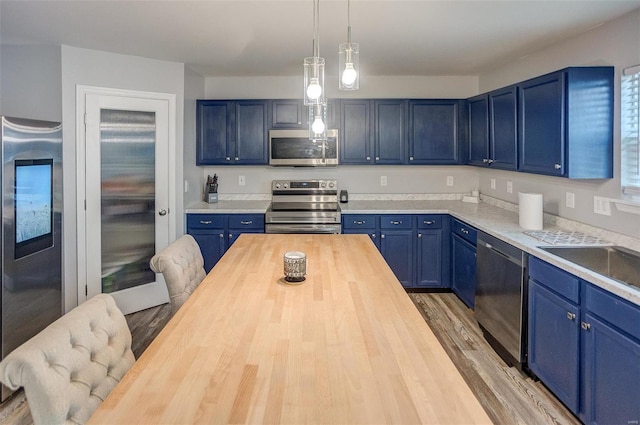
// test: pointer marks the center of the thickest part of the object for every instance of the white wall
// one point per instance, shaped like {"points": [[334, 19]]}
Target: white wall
{"points": [[617, 44], [193, 90], [31, 83], [102, 69]]}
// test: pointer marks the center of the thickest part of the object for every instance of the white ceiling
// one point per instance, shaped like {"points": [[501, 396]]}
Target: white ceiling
{"points": [[271, 38]]}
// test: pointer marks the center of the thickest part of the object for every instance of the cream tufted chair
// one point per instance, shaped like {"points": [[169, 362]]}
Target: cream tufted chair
{"points": [[182, 266], [71, 366]]}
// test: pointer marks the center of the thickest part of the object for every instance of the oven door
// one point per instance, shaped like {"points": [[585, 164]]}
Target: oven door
{"points": [[302, 228]]}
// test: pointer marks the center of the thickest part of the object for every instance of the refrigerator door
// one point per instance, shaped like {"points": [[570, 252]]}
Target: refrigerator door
{"points": [[31, 260]]}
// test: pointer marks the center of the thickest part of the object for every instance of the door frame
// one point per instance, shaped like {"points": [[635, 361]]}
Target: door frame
{"points": [[81, 235]]}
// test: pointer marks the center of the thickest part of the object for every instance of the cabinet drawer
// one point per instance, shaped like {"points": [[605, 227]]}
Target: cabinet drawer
{"points": [[466, 232], [246, 221], [404, 222], [429, 222], [351, 221], [557, 280], [205, 221], [615, 310]]}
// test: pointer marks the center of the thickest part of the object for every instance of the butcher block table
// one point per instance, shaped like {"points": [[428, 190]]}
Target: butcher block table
{"points": [[346, 346]]}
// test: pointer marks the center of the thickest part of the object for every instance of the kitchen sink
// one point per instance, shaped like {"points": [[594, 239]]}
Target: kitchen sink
{"points": [[612, 261]]}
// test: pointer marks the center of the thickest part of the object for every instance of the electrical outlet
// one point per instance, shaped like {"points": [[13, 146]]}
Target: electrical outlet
{"points": [[509, 186], [570, 200], [493, 184], [383, 180], [601, 205], [186, 186], [241, 181], [449, 180]]}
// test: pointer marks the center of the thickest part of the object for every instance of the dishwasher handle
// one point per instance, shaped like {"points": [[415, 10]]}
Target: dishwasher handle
{"points": [[495, 250]]}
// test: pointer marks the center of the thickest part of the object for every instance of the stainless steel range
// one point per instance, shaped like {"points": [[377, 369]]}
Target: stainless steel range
{"points": [[303, 206]]}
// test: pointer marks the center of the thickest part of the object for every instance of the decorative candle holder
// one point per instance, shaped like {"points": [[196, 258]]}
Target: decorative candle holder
{"points": [[295, 266]]}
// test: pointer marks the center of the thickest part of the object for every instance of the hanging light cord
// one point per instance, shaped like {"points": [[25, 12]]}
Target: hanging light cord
{"points": [[316, 24], [349, 22]]}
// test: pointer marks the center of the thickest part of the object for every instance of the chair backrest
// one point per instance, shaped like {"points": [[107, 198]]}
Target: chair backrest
{"points": [[71, 366], [182, 266]]}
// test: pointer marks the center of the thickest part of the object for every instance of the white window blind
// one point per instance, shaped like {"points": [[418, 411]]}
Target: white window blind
{"points": [[630, 133]]}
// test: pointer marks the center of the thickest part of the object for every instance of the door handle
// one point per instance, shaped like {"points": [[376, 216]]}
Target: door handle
{"points": [[162, 212]]}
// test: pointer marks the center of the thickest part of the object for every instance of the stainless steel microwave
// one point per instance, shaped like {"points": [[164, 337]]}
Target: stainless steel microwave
{"points": [[294, 149]]}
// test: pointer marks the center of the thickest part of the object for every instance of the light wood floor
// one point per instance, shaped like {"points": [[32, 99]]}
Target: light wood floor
{"points": [[508, 396]]}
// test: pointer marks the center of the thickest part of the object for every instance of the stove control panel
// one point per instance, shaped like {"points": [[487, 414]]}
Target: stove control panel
{"points": [[304, 185]]}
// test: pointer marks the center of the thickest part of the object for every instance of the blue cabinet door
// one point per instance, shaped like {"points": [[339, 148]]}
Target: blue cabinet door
{"points": [[433, 132], [397, 248], [214, 138], [541, 136], [355, 141], [463, 265], [390, 131], [554, 343], [251, 142], [503, 125], [243, 223], [289, 113], [212, 245], [478, 118], [611, 374], [429, 257], [356, 224]]}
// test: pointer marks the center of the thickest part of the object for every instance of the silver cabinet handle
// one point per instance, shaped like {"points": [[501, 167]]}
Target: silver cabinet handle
{"points": [[221, 235], [557, 166], [395, 223], [465, 231], [358, 222], [382, 236], [237, 158], [419, 235], [571, 316], [428, 222], [230, 235], [205, 221], [228, 159], [368, 158], [373, 236], [585, 326], [162, 212], [490, 161], [377, 158], [246, 223], [410, 158], [485, 160]]}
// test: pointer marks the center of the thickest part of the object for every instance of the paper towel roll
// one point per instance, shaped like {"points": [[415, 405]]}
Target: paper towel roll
{"points": [[530, 210]]}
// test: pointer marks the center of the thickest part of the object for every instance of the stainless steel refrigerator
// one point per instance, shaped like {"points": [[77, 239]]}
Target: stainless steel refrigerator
{"points": [[31, 248]]}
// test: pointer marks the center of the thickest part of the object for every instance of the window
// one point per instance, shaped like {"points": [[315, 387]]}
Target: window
{"points": [[630, 133]]}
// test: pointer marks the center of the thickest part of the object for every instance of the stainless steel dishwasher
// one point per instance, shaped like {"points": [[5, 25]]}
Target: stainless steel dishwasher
{"points": [[501, 298]]}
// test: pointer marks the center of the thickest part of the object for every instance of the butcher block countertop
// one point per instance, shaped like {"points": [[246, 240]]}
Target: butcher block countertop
{"points": [[346, 346]]}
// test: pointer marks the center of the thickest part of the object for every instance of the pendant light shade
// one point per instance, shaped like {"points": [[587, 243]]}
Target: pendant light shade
{"points": [[314, 81], [314, 66], [349, 60], [318, 122]]}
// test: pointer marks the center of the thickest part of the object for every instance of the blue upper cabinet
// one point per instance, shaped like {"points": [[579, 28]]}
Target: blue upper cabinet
{"points": [[433, 132], [289, 113], [566, 123], [503, 128], [492, 121], [373, 131], [478, 119], [390, 131], [231, 132], [355, 126]]}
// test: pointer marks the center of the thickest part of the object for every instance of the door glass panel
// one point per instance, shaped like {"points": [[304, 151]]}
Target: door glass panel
{"points": [[127, 169]]}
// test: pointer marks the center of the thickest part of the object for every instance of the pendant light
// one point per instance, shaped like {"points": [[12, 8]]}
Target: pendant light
{"points": [[317, 120], [349, 54], [314, 66]]}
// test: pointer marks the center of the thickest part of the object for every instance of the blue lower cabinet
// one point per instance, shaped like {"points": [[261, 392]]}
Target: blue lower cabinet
{"points": [[356, 224], [554, 335], [215, 233], [397, 248], [584, 345], [463, 261]]}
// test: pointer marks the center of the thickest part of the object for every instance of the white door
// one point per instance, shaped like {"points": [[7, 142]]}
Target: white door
{"points": [[126, 189]]}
